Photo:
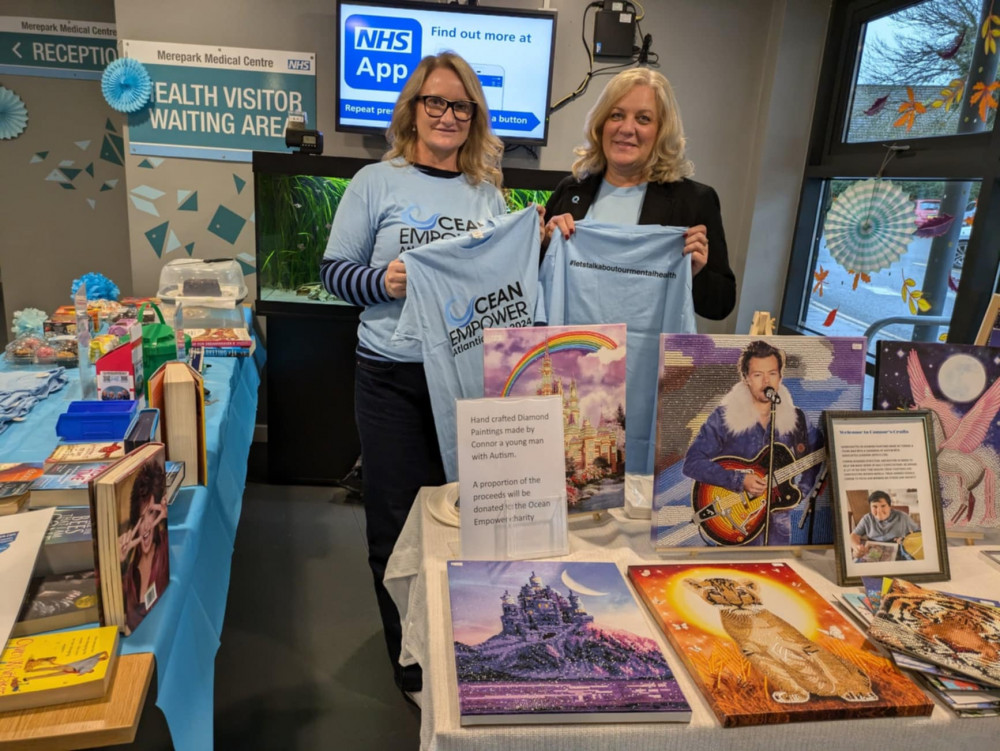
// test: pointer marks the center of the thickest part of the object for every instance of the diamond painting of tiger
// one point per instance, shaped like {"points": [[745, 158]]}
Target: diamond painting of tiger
{"points": [[957, 634], [793, 665]]}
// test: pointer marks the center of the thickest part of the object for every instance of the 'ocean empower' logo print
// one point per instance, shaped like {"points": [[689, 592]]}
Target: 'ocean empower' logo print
{"points": [[418, 231], [504, 307]]}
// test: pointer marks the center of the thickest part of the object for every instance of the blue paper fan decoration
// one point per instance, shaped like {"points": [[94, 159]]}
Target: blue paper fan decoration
{"points": [[13, 114], [869, 226], [126, 85], [99, 287]]}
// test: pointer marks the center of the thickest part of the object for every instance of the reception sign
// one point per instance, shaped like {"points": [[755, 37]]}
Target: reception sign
{"points": [[54, 48], [211, 102]]}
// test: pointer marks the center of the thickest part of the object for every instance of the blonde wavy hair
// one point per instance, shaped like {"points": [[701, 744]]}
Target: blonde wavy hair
{"points": [[480, 156], [667, 162]]}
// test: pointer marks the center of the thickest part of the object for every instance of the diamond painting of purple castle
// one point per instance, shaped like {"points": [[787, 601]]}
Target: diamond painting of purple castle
{"points": [[551, 657], [540, 612]]}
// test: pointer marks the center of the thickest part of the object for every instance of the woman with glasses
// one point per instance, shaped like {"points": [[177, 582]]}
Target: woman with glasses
{"points": [[632, 170], [440, 178]]}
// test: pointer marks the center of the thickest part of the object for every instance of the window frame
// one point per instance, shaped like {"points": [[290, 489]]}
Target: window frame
{"points": [[974, 156]]}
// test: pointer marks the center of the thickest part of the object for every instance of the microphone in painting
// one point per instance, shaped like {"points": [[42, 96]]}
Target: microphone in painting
{"points": [[772, 395]]}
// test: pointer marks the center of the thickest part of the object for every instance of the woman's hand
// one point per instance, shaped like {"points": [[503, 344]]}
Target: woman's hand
{"points": [[696, 243], [562, 223], [395, 279], [541, 222]]}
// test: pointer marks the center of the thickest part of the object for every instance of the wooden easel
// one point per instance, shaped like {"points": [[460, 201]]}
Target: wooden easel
{"points": [[762, 324]]}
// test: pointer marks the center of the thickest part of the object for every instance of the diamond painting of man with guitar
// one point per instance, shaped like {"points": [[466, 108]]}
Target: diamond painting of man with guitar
{"points": [[740, 459]]}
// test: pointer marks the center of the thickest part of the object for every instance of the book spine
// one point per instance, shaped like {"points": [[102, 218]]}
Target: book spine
{"points": [[210, 343], [225, 351]]}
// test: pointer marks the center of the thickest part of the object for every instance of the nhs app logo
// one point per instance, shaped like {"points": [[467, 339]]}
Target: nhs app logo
{"points": [[380, 52]]}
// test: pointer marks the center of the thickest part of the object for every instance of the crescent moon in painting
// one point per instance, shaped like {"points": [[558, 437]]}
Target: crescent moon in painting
{"points": [[570, 582], [962, 378]]}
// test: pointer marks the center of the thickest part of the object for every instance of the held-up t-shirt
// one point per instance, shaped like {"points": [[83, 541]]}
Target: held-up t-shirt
{"points": [[457, 287], [387, 209], [637, 275]]}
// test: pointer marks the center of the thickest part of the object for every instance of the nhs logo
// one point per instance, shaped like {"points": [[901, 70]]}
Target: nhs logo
{"points": [[294, 64], [380, 52]]}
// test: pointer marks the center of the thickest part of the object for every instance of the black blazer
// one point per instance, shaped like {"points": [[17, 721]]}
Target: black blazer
{"points": [[684, 203]]}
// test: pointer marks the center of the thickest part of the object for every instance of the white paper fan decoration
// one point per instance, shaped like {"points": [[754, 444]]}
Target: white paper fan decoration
{"points": [[869, 225]]}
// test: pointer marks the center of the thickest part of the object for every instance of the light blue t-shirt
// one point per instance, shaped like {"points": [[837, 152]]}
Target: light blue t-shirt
{"points": [[457, 287], [613, 205], [637, 275], [388, 209]]}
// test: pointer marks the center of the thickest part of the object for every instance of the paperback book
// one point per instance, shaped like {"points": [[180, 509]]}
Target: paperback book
{"points": [[175, 477], [765, 648], [68, 544], [555, 642], [585, 366], [178, 392], [75, 453], [15, 485], [46, 669], [145, 427], [220, 337], [128, 504], [65, 483], [58, 601]]}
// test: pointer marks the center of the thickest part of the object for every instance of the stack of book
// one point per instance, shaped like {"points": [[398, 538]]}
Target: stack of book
{"points": [[15, 485], [222, 342], [934, 635]]}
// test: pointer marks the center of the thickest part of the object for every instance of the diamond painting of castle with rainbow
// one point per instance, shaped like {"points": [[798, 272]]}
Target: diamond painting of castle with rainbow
{"points": [[585, 365]]}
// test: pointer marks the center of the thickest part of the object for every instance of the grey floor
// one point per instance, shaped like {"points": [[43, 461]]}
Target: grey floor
{"points": [[302, 663]]}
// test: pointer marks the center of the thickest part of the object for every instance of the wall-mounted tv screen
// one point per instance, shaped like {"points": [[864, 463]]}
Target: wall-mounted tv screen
{"points": [[381, 43]]}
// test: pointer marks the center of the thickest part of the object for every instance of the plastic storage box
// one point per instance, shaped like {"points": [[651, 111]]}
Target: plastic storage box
{"points": [[194, 281], [95, 421]]}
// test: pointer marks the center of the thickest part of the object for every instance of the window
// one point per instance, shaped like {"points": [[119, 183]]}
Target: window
{"points": [[908, 93]]}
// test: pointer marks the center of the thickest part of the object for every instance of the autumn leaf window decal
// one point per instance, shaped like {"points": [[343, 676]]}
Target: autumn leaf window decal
{"points": [[910, 109]]}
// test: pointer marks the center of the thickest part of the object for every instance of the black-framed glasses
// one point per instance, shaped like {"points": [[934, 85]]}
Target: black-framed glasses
{"points": [[436, 106]]}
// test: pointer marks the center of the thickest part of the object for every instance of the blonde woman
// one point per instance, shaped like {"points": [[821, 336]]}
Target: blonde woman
{"points": [[440, 178], [632, 170]]}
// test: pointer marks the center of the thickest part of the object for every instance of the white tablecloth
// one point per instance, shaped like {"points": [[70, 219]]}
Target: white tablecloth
{"points": [[416, 578]]}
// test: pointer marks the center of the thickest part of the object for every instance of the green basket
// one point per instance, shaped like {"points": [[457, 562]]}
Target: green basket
{"points": [[159, 343]]}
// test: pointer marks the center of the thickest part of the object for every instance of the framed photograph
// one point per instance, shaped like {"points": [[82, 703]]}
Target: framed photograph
{"points": [[888, 519]]}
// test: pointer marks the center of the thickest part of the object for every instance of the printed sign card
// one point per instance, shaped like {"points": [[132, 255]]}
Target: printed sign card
{"points": [[512, 487]]}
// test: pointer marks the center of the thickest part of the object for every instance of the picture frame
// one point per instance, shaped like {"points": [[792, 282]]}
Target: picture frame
{"points": [[883, 483]]}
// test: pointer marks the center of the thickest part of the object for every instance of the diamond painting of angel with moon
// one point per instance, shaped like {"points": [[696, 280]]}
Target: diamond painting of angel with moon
{"points": [[960, 385]]}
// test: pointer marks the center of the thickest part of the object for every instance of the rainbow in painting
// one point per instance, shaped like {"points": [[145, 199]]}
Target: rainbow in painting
{"points": [[585, 365], [576, 340], [766, 648]]}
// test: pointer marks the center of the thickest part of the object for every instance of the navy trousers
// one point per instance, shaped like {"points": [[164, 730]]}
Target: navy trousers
{"points": [[399, 453]]}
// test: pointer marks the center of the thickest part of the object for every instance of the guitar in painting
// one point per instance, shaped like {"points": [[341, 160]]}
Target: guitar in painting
{"points": [[735, 518]]}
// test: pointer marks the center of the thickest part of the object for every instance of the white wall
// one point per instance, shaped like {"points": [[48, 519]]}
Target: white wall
{"points": [[744, 72], [50, 234]]}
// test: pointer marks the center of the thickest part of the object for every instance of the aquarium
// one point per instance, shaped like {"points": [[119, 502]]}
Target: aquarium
{"points": [[296, 199]]}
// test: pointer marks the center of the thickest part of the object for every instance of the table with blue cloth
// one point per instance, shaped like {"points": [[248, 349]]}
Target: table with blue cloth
{"points": [[183, 630]]}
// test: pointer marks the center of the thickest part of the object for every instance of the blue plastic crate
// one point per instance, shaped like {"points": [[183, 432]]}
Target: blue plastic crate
{"points": [[96, 421]]}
